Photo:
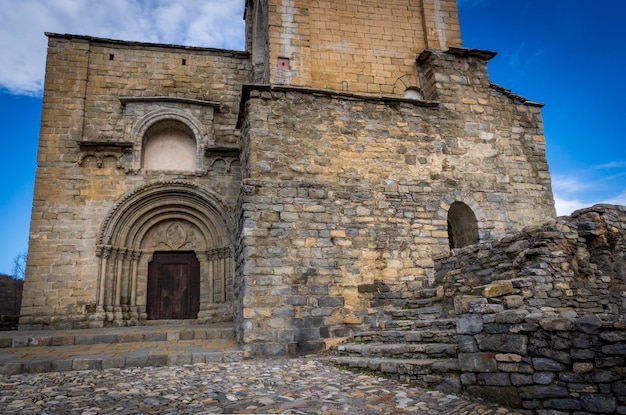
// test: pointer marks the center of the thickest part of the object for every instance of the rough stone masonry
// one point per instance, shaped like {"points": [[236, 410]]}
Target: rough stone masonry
{"points": [[352, 142]]}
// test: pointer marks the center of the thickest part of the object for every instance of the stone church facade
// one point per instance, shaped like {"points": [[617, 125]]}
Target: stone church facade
{"points": [[351, 144]]}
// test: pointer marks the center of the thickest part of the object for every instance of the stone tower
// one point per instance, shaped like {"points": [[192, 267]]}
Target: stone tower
{"points": [[354, 45], [350, 145]]}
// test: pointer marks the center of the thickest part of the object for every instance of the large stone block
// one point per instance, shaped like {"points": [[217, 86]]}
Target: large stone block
{"points": [[503, 343], [477, 362], [506, 396], [469, 324], [542, 392]]}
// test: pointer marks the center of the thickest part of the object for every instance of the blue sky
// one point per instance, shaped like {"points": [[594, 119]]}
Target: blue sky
{"points": [[569, 54]]}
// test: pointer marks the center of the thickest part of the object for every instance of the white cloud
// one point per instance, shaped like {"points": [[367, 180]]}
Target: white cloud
{"points": [[567, 184], [618, 200], [566, 207], [586, 188], [207, 23]]}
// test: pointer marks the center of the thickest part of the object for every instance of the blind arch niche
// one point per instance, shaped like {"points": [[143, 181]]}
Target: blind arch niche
{"points": [[169, 145]]}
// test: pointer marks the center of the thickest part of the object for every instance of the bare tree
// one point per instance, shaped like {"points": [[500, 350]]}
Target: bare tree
{"points": [[11, 287], [19, 266]]}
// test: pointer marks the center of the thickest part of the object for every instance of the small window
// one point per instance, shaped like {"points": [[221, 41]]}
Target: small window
{"points": [[462, 226]]}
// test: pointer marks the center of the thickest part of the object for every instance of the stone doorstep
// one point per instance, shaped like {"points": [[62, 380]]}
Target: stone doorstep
{"points": [[112, 335], [99, 357]]}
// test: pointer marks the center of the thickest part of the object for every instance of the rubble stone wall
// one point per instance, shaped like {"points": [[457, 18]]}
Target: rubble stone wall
{"points": [[342, 190], [540, 314]]}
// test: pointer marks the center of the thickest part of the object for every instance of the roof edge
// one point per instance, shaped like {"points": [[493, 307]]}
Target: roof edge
{"points": [[94, 39]]}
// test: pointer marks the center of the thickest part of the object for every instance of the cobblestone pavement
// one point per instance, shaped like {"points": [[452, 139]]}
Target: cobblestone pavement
{"points": [[297, 386]]}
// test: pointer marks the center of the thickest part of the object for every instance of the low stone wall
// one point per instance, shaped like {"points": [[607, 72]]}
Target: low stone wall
{"points": [[540, 315], [544, 363], [576, 262]]}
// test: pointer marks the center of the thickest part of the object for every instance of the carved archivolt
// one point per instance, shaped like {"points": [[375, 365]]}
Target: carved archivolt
{"points": [[129, 215], [168, 216]]}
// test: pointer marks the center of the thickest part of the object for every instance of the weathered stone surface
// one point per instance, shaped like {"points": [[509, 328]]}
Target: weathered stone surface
{"points": [[542, 392], [569, 349], [604, 404], [540, 363], [467, 344], [507, 396], [462, 303], [521, 379], [556, 324], [615, 349], [494, 379], [478, 362], [511, 316], [486, 308], [503, 343], [469, 324], [563, 404], [495, 289], [588, 324]]}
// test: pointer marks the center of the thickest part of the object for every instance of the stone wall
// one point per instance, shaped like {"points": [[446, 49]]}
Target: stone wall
{"points": [[541, 315], [342, 190], [573, 263], [100, 97]]}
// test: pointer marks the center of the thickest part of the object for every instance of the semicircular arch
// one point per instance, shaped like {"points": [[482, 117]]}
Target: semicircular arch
{"points": [[143, 124], [459, 197], [177, 121], [130, 217], [175, 218]]}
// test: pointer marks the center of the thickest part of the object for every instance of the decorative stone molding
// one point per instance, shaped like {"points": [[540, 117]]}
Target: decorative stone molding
{"points": [[164, 216], [101, 150]]}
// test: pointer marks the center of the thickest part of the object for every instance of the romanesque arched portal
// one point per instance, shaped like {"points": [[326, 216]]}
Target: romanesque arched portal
{"points": [[166, 246]]}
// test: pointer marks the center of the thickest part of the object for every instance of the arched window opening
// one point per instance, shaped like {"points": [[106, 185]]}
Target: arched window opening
{"points": [[462, 226], [169, 145]]}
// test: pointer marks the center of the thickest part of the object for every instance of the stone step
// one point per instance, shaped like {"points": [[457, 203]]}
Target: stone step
{"points": [[417, 313], [411, 324], [407, 336], [442, 374], [157, 331], [399, 350], [38, 359]]}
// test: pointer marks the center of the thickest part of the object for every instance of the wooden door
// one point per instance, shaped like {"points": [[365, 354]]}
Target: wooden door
{"points": [[173, 286]]}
